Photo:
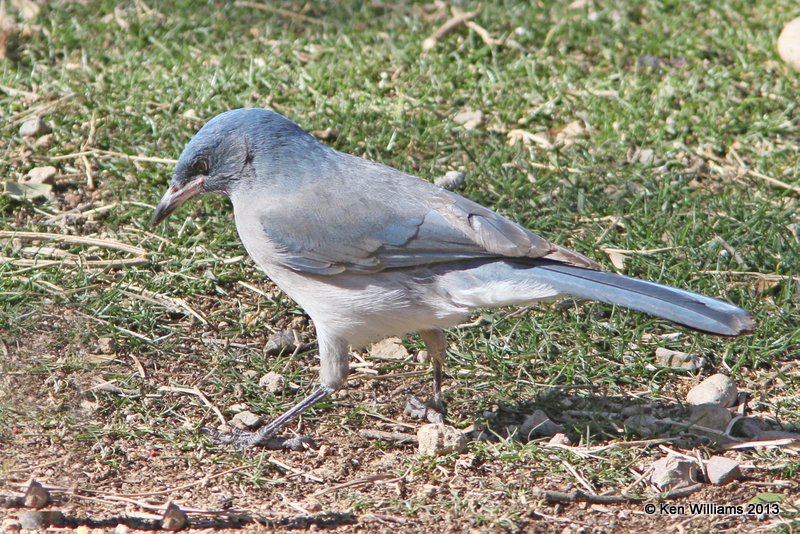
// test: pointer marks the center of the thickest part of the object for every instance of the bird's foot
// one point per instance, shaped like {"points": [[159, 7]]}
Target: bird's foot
{"points": [[432, 410], [263, 437]]}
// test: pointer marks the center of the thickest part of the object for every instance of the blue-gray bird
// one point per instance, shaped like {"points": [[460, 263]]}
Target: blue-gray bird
{"points": [[369, 251]]}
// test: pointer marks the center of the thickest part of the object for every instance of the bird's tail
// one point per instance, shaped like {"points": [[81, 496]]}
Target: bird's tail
{"points": [[696, 311], [517, 282]]}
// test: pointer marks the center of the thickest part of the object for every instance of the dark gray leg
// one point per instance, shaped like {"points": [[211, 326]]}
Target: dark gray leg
{"points": [[436, 343], [266, 435], [433, 410]]}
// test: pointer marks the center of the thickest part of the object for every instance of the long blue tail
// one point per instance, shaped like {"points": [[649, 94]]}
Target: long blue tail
{"points": [[696, 311]]}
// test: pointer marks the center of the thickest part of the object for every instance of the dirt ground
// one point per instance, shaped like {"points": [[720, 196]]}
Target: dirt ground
{"points": [[106, 465]]}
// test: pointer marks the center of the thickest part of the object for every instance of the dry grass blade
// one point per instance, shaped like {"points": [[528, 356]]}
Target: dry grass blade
{"points": [[92, 264], [458, 19], [75, 240]]}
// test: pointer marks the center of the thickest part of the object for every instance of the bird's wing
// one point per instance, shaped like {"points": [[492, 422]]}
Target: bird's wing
{"points": [[388, 220]]}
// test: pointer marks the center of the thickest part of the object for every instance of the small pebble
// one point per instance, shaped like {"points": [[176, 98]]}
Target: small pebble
{"points": [[721, 470], [246, 420], [33, 127], [711, 416], [36, 496], [675, 359], [44, 142], [673, 472], [646, 156], [716, 389], [559, 439], [281, 342], [450, 181], [106, 345], [390, 348], [469, 119], [273, 382], [10, 526], [174, 518], [439, 439], [41, 175]]}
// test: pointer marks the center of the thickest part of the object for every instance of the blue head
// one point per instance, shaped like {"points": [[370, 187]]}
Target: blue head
{"points": [[221, 155]]}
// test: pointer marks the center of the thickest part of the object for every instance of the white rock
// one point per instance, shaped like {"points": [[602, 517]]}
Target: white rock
{"points": [[450, 181], [106, 345], [439, 439], [469, 119], [41, 175], [33, 127], [721, 470], [282, 342], [559, 439], [675, 359], [716, 389], [272, 382], [711, 416], [246, 420], [10, 526], [673, 472], [390, 348], [789, 44]]}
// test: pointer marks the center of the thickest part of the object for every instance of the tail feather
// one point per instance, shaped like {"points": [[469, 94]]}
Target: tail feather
{"points": [[696, 311]]}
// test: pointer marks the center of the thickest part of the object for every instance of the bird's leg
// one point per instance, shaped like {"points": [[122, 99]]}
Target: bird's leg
{"points": [[266, 435], [434, 409]]}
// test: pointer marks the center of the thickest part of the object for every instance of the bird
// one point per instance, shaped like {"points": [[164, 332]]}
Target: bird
{"points": [[369, 251]]}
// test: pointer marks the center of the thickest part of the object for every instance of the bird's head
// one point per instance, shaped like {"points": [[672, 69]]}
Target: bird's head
{"points": [[220, 155]]}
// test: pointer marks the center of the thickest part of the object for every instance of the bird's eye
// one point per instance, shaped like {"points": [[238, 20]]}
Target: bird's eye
{"points": [[200, 166]]}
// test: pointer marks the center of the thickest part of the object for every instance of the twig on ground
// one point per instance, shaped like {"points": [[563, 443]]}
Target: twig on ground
{"points": [[75, 240], [91, 264], [783, 442], [484, 35], [580, 478], [457, 20], [358, 482], [294, 470]]}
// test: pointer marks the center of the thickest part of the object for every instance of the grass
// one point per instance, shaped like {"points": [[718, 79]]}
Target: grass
{"points": [[146, 77]]}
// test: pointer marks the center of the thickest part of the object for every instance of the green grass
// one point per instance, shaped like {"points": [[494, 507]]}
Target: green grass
{"points": [[721, 94]]}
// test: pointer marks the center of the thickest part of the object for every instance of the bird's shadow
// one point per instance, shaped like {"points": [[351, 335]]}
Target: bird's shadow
{"points": [[608, 418]]}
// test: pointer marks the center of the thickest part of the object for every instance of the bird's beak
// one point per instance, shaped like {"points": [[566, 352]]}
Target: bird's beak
{"points": [[175, 196]]}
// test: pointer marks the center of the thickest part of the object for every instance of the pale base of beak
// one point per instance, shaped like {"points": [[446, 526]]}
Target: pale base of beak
{"points": [[174, 197]]}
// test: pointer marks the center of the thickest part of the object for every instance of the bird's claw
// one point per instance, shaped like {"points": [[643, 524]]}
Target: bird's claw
{"points": [[242, 439], [430, 410]]}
